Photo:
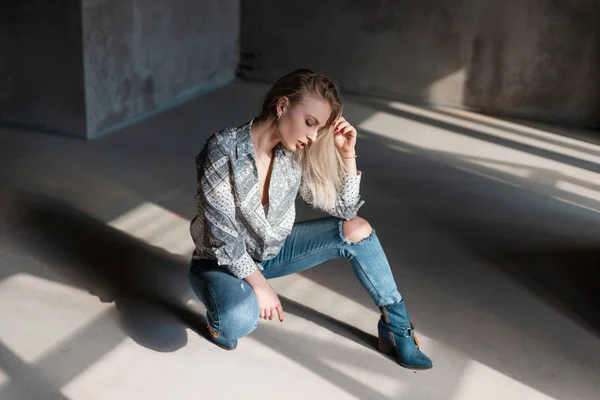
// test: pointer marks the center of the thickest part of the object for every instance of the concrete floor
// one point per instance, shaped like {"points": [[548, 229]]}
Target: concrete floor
{"points": [[490, 227]]}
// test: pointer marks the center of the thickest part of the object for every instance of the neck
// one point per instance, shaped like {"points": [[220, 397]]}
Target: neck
{"points": [[264, 136]]}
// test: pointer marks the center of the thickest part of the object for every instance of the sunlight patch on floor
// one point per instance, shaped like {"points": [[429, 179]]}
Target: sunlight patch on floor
{"points": [[487, 156], [543, 140], [509, 169], [157, 226], [38, 314], [320, 298], [578, 190], [539, 133], [479, 381], [124, 360]]}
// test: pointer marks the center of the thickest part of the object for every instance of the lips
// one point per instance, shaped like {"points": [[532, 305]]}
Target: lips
{"points": [[301, 144]]}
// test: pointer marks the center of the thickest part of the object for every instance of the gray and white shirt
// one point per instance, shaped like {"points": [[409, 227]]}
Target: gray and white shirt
{"points": [[231, 226]]}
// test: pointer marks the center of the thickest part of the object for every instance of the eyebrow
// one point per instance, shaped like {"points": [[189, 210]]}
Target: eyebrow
{"points": [[318, 123]]}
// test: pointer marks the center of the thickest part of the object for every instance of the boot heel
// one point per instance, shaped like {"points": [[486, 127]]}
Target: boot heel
{"points": [[385, 346], [397, 337]]}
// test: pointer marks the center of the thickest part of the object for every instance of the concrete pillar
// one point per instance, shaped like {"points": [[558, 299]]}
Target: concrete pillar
{"points": [[88, 67]]}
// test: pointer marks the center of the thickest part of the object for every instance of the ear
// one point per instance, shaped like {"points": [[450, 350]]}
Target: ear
{"points": [[283, 104]]}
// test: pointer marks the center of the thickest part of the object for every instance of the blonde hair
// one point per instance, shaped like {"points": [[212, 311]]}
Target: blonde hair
{"points": [[322, 165]]}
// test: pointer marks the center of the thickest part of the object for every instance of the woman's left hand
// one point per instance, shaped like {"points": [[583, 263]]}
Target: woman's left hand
{"points": [[344, 136]]}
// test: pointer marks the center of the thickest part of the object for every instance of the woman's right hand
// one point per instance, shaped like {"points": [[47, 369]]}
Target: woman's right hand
{"points": [[268, 302]]}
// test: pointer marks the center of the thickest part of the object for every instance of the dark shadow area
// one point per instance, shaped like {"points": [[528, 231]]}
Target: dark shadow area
{"points": [[50, 99], [146, 283], [566, 276]]}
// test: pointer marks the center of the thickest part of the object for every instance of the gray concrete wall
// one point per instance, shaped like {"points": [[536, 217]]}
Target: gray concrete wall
{"points": [[41, 70], [144, 55], [538, 59], [87, 67]]}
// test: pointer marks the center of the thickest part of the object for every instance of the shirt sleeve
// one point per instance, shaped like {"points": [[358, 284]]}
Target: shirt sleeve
{"points": [[348, 200], [215, 200]]}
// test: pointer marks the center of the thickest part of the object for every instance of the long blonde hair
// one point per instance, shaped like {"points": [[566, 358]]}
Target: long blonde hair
{"points": [[322, 166]]}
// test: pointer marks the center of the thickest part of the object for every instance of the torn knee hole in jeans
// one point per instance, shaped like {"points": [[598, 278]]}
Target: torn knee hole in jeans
{"points": [[348, 241]]}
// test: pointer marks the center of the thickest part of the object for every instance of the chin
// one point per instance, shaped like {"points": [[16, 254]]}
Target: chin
{"points": [[289, 148]]}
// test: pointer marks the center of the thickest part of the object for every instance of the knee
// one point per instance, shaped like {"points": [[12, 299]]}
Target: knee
{"points": [[239, 320], [356, 229]]}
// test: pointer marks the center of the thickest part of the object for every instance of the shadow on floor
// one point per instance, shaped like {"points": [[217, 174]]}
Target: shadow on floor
{"points": [[148, 285], [568, 278]]}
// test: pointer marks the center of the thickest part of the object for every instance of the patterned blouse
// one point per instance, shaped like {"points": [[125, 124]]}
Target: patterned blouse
{"points": [[231, 226]]}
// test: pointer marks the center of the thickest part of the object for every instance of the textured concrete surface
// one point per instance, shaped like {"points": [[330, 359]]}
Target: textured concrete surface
{"points": [[142, 56], [536, 59], [87, 67], [490, 227]]}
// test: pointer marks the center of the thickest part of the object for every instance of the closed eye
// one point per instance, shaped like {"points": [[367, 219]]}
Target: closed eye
{"points": [[308, 123]]}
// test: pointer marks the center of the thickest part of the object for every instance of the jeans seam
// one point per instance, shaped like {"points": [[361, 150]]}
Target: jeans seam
{"points": [[362, 267], [307, 255], [313, 252], [349, 244], [214, 300]]}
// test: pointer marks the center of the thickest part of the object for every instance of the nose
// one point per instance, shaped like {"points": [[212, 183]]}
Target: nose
{"points": [[313, 136]]}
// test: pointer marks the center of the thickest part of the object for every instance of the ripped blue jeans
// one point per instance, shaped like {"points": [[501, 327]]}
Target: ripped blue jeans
{"points": [[232, 308]]}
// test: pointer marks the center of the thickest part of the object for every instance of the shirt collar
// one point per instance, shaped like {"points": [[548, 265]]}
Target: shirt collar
{"points": [[244, 140], [244, 144]]}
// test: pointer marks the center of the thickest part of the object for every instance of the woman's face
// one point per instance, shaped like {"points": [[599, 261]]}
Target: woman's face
{"points": [[300, 123]]}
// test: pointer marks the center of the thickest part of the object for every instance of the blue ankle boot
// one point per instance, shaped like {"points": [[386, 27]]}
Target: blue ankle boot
{"points": [[397, 337], [220, 341]]}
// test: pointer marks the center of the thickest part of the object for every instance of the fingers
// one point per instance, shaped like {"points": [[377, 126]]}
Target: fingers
{"points": [[280, 312], [336, 123], [342, 127], [269, 313], [339, 120], [272, 311]]}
